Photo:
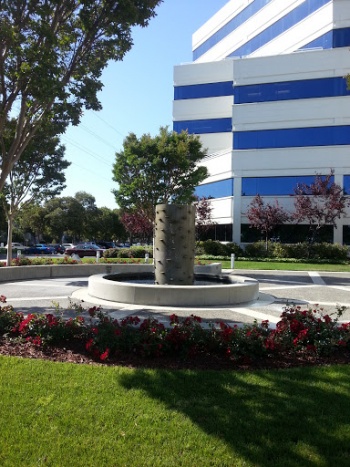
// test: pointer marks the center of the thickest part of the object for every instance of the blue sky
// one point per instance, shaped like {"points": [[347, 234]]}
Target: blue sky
{"points": [[137, 96]]}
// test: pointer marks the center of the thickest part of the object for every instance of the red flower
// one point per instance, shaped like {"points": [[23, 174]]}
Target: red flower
{"points": [[173, 319], [92, 311], [311, 348], [104, 355], [94, 330], [89, 344], [196, 318]]}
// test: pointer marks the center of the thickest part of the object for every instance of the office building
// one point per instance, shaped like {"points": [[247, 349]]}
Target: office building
{"points": [[267, 95]]}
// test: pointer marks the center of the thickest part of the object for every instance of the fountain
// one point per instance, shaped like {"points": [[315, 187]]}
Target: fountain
{"points": [[172, 280]]}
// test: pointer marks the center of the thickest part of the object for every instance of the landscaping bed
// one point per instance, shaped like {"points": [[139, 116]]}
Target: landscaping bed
{"points": [[302, 337]]}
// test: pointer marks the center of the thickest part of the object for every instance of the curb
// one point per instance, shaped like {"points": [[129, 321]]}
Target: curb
{"points": [[52, 271]]}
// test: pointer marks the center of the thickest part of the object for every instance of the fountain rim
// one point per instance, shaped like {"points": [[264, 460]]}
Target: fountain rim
{"points": [[238, 290]]}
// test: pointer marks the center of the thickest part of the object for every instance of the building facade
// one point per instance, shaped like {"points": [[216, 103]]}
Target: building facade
{"points": [[267, 95]]}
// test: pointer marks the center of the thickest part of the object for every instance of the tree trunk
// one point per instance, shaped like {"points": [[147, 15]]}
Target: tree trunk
{"points": [[9, 239]]}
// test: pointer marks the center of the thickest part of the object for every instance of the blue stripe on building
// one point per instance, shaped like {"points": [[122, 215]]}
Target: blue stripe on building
{"points": [[289, 90], [292, 137], [198, 91], [215, 125], [331, 40], [233, 24], [282, 25]]}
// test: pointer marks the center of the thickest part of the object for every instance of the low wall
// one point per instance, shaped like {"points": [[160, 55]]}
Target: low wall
{"points": [[17, 273]]}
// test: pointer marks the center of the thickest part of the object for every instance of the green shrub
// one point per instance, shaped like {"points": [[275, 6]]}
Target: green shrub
{"points": [[115, 253], [140, 251], [297, 250], [132, 252], [215, 248], [233, 248], [329, 251], [256, 250]]}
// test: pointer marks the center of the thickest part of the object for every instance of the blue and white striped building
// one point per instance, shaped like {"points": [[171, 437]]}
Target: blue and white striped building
{"points": [[267, 95]]}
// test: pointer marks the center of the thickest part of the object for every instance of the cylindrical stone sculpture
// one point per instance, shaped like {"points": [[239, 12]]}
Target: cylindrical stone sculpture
{"points": [[174, 246]]}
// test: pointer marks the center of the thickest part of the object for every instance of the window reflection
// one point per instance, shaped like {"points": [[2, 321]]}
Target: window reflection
{"points": [[219, 189], [347, 184], [275, 186]]}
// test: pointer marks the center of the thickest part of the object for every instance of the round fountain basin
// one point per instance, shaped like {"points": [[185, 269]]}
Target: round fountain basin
{"points": [[132, 288]]}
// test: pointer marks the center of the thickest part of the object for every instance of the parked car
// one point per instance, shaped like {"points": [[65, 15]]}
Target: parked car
{"points": [[39, 249], [106, 245], [84, 249], [68, 245], [17, 246], [58, 248]]}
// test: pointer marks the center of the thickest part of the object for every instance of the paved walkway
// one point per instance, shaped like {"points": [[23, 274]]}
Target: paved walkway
{"points": [[277, 289]]}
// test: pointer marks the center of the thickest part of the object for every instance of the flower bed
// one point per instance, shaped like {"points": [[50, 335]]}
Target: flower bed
{"points": [[300, 333]]}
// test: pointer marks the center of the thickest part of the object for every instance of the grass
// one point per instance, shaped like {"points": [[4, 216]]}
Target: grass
{"points": [[56, 414], [238, 264], [287, 266]]}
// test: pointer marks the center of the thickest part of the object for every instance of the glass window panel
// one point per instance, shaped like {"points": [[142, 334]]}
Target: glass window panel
{"points": [[274, 186], [219, 189], [347, 184]]}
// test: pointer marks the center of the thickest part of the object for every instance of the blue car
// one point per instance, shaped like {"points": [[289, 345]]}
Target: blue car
{"points": [[39, 249]]}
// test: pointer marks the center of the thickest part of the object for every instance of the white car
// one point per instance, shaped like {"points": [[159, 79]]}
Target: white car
{"points": [[17, 246], [68, 245]]}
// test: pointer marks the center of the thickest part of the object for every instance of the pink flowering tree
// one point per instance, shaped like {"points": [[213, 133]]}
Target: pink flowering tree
{"points": [[320, 203], [265, 216]]}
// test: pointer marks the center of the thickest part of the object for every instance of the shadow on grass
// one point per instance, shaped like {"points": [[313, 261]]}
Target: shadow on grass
{"points": [[295, 417]]}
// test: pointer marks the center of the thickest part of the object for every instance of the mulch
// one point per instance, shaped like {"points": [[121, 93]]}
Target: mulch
{"points": [[78, 355]]}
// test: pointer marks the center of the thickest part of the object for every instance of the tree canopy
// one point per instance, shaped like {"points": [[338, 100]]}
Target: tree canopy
{"points": [[320, 203], [265, 216], [53, 53], [39, 175], [156, 170]]}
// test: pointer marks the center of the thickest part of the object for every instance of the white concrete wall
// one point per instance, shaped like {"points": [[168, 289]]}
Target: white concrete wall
{"points": [[300, 113], [293, 67], [198, 109], [201, 73]]}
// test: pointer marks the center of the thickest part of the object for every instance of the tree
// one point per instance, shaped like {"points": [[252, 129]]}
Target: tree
{"points": [[320, 203], [137, 224], [266, 217], [38, 175], [90, 221], [52, 57], [109, 225], [204, 219], [31, 219], [157, 170], [64, 216]]}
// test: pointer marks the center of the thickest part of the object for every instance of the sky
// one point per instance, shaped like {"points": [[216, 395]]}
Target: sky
{"points": [[137, 96]]}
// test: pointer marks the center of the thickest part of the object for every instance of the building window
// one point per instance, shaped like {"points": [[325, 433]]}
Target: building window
{"points": [[220, 189], [292, 137], [347, 184], [288, 233], [294, 17], [233, 24], [346, 234], [199, 91], [290, 90], [215, 125], [274, 186], [220, 232]]}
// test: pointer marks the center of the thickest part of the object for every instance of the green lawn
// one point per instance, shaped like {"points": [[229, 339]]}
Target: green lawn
{"points": [[55, 414], [286, 266]]}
